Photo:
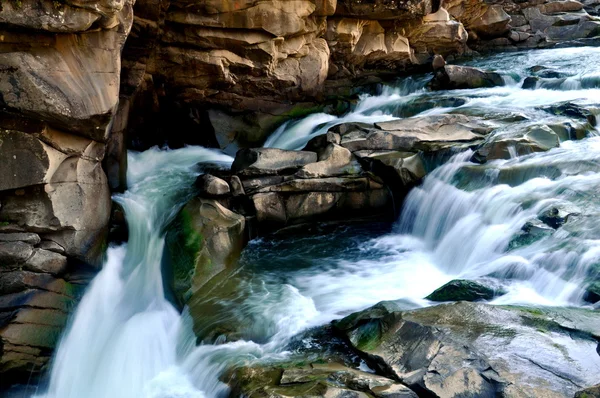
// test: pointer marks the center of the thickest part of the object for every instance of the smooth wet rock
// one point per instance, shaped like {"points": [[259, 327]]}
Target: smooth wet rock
{"points": [[269, 161], [531, 232], [572, 110], [27, 237], [536, 139], [14, 252], [470, 349], [557, 216], [530, 83], [46, 261], [210, 185], [333, 161], [204, 240], [464, 290], [408, 166], [453, 77], [322, 378]]}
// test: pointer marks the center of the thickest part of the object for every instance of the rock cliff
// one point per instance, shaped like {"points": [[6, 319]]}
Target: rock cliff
{"points": [[59, 83]]}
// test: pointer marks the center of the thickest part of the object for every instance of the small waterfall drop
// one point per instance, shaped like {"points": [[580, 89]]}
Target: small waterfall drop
{"points": [[123, 338]]}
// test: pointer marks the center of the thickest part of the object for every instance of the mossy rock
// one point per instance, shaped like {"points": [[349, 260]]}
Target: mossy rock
{"points": [[464, 290]]}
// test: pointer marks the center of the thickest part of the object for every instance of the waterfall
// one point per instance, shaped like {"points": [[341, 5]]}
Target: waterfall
{"points": [[126, 340], [123, 338]]}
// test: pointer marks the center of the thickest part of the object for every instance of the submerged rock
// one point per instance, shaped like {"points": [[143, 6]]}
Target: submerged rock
{"points": [[452, 77], [464, 290]]}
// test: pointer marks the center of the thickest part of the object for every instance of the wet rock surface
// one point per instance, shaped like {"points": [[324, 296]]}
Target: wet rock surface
{"points": [[60, 68], [467, 348], [461, 349], [465, 290]]}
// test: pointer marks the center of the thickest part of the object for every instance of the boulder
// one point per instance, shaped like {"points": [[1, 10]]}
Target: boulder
{"points": [[531, 232], [453, 77], [474, 349], [536, 139], [557, 215], [204, 240], [210, 185], [270, 161], [407, 166], [494, 22], [464, 290], [333, 161], [572, 110]]}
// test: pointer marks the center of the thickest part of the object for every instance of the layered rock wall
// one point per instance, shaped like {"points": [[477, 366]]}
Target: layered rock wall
{"points": [[59, 84]]}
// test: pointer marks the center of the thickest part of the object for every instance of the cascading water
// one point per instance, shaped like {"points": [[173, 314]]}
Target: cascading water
{"points": [[464, 221], [123, 338]]}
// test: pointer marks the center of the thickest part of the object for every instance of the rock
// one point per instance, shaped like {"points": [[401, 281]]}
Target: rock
{"points": [[592, 392], [530, 83], [322, 378], [446, 38], [572, 110], [210, 185], [557, 216], [407, 166], [269, 161], [46, 261], [518, 37], [384, 9], [464, 290], [493, 23], [537, 139], [438, 62], [52, 246], [237, 188], [14, 252], [475, 349], [560, 6], [531, 232], [333, 161], [204, 240], [453, 77], [27, 237]]}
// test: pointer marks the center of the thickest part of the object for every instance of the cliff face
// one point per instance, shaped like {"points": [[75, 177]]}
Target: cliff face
{"points": [[246, 66], [210, 72], [59, 81]]}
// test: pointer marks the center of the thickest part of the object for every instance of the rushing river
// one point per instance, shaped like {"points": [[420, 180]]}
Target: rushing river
{"points": [[126, 340]]}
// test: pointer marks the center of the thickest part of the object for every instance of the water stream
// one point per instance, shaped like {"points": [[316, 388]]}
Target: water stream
{"points": [[126, 340]]}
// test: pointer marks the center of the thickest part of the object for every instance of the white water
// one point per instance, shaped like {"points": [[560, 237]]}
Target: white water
{"points": [[126, 340], [123, 339]]}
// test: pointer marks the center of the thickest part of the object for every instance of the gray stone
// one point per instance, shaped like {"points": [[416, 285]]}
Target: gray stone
{"points": [[27, 237], [210, 185], [46, 261], [470, 349], [265, 161], [14, 252], [453, 77]]}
